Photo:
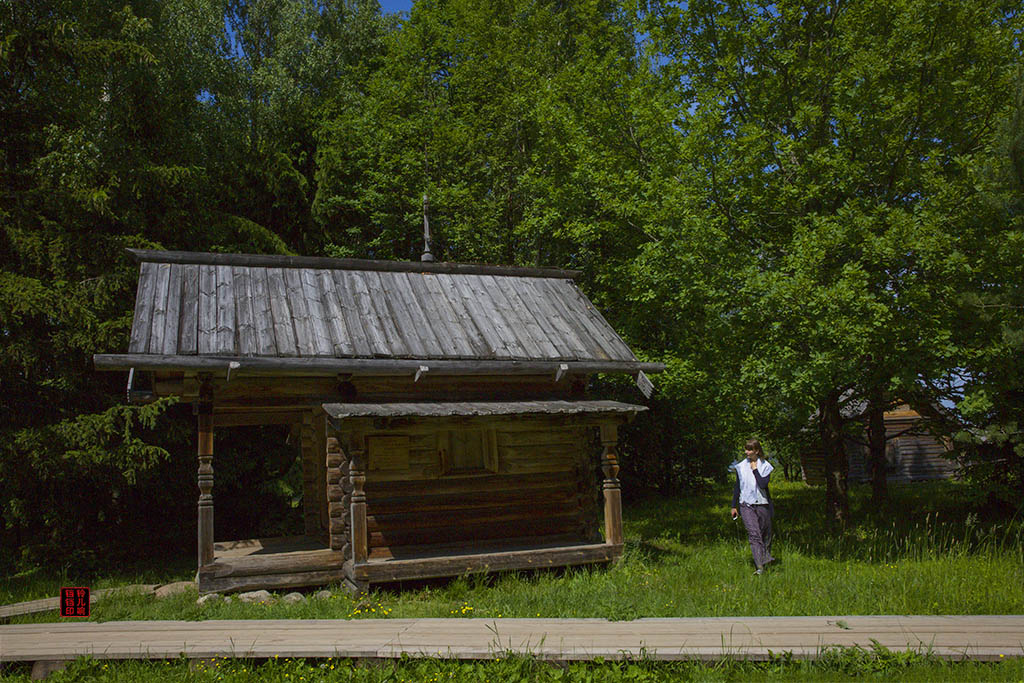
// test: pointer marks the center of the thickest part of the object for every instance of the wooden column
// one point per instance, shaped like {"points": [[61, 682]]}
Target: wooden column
{"points": [[205, 535], [335, 494], [612, 491], [310, 513], [357, 475]]}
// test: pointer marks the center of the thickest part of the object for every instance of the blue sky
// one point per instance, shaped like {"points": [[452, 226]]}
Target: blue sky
{"points": [[392, 6]]}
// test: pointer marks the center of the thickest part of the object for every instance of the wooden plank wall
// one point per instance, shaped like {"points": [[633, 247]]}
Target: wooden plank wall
{"points": [[545, 489], [912, 457]]}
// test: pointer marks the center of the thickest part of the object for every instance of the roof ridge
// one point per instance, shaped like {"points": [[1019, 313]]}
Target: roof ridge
{"points": [[328, 263]]}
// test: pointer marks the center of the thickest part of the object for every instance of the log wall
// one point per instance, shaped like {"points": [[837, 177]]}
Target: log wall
{"points": [[536, 484]]}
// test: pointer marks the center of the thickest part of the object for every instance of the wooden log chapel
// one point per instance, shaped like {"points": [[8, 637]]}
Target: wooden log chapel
{"points": [[441, 409]]}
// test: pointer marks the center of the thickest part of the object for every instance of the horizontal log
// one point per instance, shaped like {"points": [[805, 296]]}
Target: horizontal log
{"points": [[454, 485], [564, 495], [255, 419], [326, 263], [472, 532], [311, 367], [459, 518], [270, 582], [284, 563], [531, 542], [402, 570]]}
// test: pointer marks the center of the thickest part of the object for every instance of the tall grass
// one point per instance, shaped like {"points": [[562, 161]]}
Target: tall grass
{"points": [[924, 553]]}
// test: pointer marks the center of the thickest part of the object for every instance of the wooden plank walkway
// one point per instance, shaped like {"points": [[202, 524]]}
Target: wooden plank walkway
{"points": [[53, 604], [984, 638]]}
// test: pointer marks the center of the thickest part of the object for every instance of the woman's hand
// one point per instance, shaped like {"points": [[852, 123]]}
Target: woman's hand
{"points": [[753, 464], [735, 513]]}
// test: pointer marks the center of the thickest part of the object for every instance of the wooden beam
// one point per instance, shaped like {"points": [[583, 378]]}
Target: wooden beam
{"points": [[205, 474], [454, 565], [256, 419], [361, 366], [320, 262], [357, 476]]}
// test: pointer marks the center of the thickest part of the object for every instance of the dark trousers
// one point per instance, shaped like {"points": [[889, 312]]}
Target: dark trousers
{"points": [[758, 521]]}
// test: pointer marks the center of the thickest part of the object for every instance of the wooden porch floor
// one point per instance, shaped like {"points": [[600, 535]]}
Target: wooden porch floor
{"points": [[270, 563], [983, 638], [298, 561]]}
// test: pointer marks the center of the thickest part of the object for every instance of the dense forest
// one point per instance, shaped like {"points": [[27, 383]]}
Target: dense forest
{"points": [[807, 210]]}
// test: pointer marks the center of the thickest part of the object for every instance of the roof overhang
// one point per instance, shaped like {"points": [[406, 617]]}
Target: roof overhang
{"points": [[480, 408], [306, 367]]}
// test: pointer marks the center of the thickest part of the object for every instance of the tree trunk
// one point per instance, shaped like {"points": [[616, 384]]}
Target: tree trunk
{"points": [[837, 469], [876, 447]]}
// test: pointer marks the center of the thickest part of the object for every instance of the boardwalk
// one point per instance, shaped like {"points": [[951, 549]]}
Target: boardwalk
{"points": [[952, 637]]}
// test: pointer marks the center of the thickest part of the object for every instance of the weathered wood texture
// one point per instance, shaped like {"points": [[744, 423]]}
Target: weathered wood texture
{"points": [[319, 262], [280, 366], [351, 310], [53, 604], [911, 456], [479, 408], [980, 638], [205, 476], [522, 482], [459, 563], [273, 563]]}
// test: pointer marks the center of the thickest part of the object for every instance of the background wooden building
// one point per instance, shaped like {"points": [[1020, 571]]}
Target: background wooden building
{"points": [[440, 407], [912, 454]]}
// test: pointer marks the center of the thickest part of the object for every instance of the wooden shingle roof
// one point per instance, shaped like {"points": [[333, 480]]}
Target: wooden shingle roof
{"points": [[278, 307]]}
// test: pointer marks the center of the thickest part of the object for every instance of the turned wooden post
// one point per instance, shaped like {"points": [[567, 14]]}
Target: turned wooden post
{"points": [[357, 475], [612, 491], [205, 534]]}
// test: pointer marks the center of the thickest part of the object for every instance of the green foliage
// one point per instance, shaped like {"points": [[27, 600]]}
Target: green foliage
{"points": [[782, 203]]}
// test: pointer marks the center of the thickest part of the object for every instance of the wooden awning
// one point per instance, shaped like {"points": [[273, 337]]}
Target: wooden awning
{"points": [[478, 408]]}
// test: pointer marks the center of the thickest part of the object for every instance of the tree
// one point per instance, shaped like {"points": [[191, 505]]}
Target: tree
{"points": [[816, 136]]}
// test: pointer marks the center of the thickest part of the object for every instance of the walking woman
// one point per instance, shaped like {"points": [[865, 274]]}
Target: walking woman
{"points": [[752, 502]]}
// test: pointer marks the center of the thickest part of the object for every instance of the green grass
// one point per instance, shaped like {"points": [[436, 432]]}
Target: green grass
{"points": [[927, 552], [838, 665]]}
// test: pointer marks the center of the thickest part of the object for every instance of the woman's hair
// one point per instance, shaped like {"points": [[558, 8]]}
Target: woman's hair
{"points": [[754, 444]]}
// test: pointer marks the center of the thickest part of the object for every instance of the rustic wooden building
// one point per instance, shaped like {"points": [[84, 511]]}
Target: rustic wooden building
{"points": [[440, 409], [912, 454]]}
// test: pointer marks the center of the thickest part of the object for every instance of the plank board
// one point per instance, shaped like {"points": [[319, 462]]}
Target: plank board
{"points": [[159, 318], [466, 345], [380, 338], [300, 312], [562, 334], [394, 316], [526, 317], [189, 311], [284, 331], [361, 338], [248, 344], [139, 340], [226, 342], [976, 637], [340, 340], [263, 317], [422, 326], [207, 319], [173, 313], [554, 291]]}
